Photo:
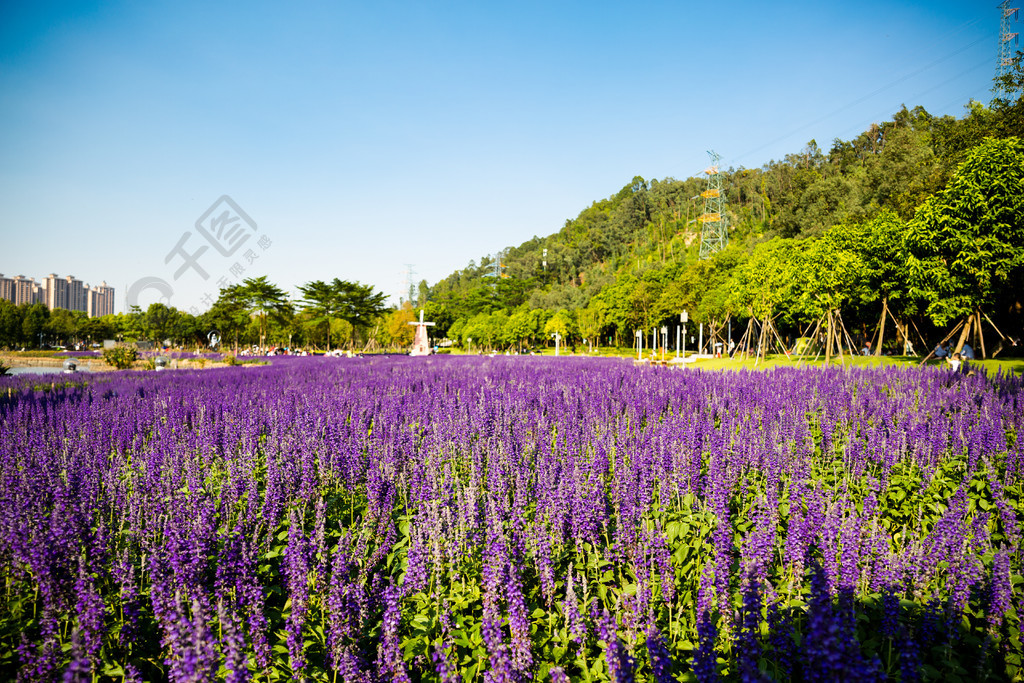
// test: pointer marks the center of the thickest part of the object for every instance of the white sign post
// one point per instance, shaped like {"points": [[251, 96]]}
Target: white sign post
{"points": [[684, 317]]}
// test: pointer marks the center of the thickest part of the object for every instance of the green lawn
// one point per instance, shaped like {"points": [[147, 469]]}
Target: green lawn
{"points": [[1015, 365]]}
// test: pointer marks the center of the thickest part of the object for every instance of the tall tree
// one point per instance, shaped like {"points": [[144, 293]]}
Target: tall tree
{"points": [[357, 303], [966, 244], [33, 323], [353, 302], [396, 324], [264, 299], [229, 314], [158, 320], [320, 301], [11, 333]]}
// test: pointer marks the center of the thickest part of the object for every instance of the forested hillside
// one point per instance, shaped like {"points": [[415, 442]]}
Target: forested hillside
{"points": [[866, 223]]}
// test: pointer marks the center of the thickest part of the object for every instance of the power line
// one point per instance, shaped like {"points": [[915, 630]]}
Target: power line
{"points": [[861, 99], [919, 95]]}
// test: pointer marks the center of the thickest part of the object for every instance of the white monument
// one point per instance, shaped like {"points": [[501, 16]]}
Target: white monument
{"points": [[420, 343]]}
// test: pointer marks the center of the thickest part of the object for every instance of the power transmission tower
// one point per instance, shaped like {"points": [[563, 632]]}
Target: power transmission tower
{"points": [[1005, 36], [499, 264], [714, 234], [409, 274]]}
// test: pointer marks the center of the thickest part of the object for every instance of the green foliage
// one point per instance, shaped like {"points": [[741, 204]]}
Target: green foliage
{"points": [[766, 280], [355, 303], [229, 314], [33, 323], [262, 299], [120, 357], [632, 256], [966, 243], [831, 272]]}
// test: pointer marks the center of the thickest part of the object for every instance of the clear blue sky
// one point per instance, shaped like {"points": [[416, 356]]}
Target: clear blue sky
{"points": [[361, 137]]}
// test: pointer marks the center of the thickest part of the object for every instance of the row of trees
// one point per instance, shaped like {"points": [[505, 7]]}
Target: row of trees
{"points": [[254, 312]]}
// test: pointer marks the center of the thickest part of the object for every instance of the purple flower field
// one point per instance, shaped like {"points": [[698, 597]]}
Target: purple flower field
{"points": [[511, 519]]}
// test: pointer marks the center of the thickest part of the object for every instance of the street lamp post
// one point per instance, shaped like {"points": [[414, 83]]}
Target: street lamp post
{"points": [[683, 318], [639, 343], [664, 340]]}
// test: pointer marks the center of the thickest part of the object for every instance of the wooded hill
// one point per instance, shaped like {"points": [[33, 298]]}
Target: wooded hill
{"points": [[923, 215]]}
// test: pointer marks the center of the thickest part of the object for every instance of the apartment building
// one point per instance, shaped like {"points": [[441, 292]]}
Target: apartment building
{"points": [[54, 292], [101, 300]]}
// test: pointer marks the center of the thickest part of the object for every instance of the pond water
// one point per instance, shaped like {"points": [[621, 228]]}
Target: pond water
{"points": [[41, 370]]}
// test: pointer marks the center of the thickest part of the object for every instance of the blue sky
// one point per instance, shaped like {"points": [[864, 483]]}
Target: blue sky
{"points": [[362, 137]]}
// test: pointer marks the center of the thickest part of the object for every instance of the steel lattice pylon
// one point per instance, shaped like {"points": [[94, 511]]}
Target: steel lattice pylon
{"points": [[1005, 36], [714, 234]]}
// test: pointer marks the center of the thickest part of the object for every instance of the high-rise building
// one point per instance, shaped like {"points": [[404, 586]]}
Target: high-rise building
{"points": [[101, 300], [58, 292], [6, 288], [78, 294], [26, 290], [66, 292]]}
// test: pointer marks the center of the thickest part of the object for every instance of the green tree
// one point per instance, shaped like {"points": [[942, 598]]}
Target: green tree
{"points": [[33, 323], [455, 330], [96, 329], [11, 331], [562, 323], [229, 315], [521, 327], [131, 326], [321, 304], [359, 304], [264, 299], [591, 321], [764, 282], [830, 272], [63, 325], [353, 302], [159, 320], [880, 243], [965, 245], [829, 275], [397, 325]]}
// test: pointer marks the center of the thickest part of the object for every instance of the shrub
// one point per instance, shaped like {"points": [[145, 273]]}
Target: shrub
{"points": [[120, 357]]}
